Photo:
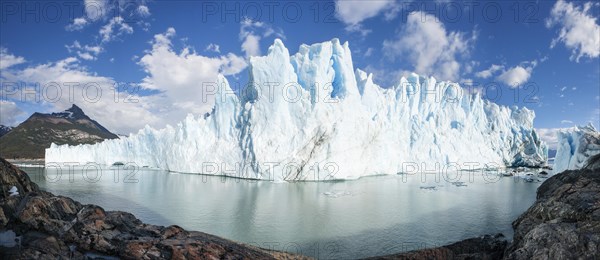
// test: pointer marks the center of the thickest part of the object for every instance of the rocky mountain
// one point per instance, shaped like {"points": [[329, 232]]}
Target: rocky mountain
{"points": [[5, 129], [34, 135]]}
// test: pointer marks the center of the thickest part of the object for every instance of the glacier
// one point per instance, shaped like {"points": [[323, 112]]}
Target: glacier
{"points": [[575, 146], [311, 116]]}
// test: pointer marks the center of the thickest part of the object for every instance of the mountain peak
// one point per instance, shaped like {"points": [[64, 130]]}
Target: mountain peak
{"points": [[75, 109], [34, 135]]}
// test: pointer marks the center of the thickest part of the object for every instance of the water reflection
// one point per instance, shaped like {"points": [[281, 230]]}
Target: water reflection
{"points": [[349, 219]]}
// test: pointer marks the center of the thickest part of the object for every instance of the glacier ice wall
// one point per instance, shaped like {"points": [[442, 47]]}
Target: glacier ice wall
{"points": [[575, 146], [312, 116]]}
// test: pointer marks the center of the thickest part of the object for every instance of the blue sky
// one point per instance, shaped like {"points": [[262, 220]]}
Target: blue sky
{"points": [[539, 54]]}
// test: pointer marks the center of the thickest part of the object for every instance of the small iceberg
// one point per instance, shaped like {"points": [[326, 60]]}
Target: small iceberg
{"points": [[13, 191]]}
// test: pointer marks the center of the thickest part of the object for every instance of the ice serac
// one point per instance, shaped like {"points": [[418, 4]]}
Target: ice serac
{"points": [[312, 116], [575, 146]]}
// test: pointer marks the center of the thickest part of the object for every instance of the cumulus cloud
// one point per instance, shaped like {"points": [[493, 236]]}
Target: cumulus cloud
{"points": [[251, 32], [172, 88], [578, 31], [484, 74], [515, 76], [432, 50], [251, 45], [77, 24], [143, 10], [549, 135], [65, 82], [181, 76], [117, 16], [97, 9], [8, 60], [115, 27], [85, 52], [9, 112], [352, 13], [213, 47]]}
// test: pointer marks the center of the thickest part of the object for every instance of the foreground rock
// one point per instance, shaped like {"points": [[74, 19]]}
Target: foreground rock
{"points": [[53, 227], [485, 247], [564, 222]]}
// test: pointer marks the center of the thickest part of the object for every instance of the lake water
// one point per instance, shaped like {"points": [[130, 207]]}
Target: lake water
{"points": [[343, 219]]}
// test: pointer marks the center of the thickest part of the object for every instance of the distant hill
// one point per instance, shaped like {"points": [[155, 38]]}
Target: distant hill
{"points": [[4, 130], [34, 135]]}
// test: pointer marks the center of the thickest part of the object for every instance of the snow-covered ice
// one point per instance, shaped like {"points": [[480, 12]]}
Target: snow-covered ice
{"points": [[312, 116], [575, 146]]}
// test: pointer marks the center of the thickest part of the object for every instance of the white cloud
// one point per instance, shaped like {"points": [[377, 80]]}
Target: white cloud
{"points": [[175, 79], [86, 56], [115, 27], [180, 76], [515, 76], [102, 107], [431, 49], [566, 122], [385, 76], [251, 32], [369, 52], [213, 47], [579, 31], [549, 135], [115, 14], [484, 74], [77, 24], [143, 10], [251, 45], [97, 9], [85, 52], [352, 13], [9, 112], [8, 60]]}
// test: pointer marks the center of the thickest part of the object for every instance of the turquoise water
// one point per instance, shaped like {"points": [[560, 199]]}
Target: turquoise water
{"points": [[344, 219]]}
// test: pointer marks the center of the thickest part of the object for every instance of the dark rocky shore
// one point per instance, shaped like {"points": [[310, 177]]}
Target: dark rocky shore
{"points": [[56, 227], [563, 223]]}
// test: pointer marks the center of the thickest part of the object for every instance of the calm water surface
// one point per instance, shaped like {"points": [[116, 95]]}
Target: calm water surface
{"points": [[346, 219]]}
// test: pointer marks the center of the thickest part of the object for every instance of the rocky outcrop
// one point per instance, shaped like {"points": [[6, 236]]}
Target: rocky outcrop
{"points": [[485, 247], [53, 227], [564, 222]]}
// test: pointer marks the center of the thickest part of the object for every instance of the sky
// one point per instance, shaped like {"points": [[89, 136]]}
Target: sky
{"points": [[131, 63]]}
